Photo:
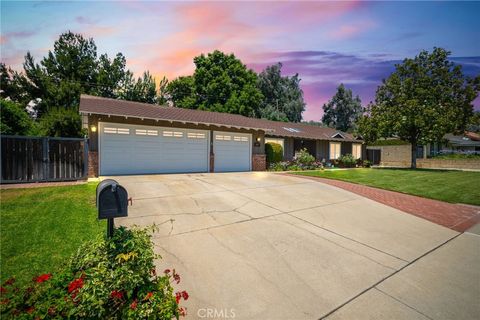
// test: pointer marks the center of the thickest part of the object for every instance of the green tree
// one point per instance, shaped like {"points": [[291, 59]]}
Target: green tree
{"points": [[220, 83], [181, 92], [61, 122], [143, 89], [283, 97], [425, 98], [14, 120], [343, 110]]}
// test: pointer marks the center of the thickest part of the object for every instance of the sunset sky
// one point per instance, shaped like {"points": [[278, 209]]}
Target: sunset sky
{"points": [[326, 43]]}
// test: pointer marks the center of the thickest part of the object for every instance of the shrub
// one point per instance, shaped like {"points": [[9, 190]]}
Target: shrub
{"points": [[347, 161], [367, 163], [274, 152], [304, 158], [279, 166], [14, 119], [105, 279], [61, 123]]}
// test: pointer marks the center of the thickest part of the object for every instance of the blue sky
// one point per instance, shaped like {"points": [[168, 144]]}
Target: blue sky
{"points": [[326, 43]]}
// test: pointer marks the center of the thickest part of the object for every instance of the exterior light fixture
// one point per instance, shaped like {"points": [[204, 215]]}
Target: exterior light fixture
{"points": [[258, 139], [93, 128]]}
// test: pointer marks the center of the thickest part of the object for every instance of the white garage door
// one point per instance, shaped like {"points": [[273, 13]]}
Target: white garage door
{"points": [[233, 151], [135, 149]]}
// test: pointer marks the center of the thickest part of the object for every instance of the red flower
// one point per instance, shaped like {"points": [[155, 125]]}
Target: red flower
{"points": [[116, 294], [3, 290], [185, 295], [9, 282], [30, 309], [148, 296], [133, 306], [43, 277], [176, 276], [75, 285], [4, 301], [166, 271], [182, 311], [178, 296]]}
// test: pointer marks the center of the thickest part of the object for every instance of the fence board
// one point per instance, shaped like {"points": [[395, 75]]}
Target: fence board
{"points": [[34, 159]]}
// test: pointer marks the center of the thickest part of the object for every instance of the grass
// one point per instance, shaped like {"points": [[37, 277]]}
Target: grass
{"points": [[41, 227], [450, 186]]}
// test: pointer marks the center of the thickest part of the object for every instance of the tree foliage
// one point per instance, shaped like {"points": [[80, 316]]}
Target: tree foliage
{"points": [[14, 120], [61, 123], [343, 110], [220, 83], [70, 69], [425, 98], [283, 97]]}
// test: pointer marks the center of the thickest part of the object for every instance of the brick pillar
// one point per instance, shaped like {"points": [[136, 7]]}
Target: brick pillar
{"points": [[212, 162], [92, 164], [259, 162]]}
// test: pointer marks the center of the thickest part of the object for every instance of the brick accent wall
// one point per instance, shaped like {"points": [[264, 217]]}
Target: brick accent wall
{"points": [[470, 164], [259, 162], [92, 164]]}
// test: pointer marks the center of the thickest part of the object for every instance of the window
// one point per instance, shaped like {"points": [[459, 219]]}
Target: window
{"points": [[175, 134], [279, 141], [116, 130], [223, 137], [335, 150], [152, 133], [140, 132], [357, 150], [240, 139], [195, 135]]}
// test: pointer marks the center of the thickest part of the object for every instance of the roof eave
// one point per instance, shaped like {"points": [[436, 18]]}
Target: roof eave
{"points": [[177, 121]]}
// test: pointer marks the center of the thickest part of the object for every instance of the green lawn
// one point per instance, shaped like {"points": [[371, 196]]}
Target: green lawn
{"points": [[450, 186], [41, 227]]}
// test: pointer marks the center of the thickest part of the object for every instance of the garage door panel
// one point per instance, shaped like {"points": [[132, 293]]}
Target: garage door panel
{"points": [[146, 149], [232, 151]]}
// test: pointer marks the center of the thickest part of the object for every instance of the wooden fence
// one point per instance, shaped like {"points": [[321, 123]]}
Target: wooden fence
{"points": [[35, 159], [374, 156]]}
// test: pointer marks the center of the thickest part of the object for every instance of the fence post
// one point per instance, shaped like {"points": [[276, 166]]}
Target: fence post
{"points": [[46, 166], [85, 155]]}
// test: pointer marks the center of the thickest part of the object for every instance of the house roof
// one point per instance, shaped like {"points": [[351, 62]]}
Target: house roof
{"points": [[113, 107], [468, 139]]}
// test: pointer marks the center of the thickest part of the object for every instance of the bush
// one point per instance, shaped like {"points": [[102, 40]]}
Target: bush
{"points": [[274, 152], [105, 279], [367, 163], [304, 158], [347, 161]]}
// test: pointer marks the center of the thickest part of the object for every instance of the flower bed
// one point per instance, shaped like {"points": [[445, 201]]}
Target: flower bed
{"points": [[105, 279]]}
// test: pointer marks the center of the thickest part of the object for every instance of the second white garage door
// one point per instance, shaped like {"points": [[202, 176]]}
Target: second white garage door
{"points": [[233, 151], [136, 149]]}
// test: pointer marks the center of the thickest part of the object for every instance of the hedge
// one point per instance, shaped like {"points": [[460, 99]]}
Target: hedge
{"points": [[274, 152]]}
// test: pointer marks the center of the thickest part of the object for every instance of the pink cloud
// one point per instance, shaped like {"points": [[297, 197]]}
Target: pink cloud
{"points": [[348, 31]]}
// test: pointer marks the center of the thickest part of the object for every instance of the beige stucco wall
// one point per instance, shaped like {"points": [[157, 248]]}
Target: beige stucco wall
{"points": [[470, 164]]}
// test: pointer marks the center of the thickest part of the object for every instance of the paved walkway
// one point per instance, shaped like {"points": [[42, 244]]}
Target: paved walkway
{"points": [[457, 217]]}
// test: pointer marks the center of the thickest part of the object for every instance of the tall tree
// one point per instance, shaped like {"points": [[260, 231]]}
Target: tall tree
{"points": [[14, 119], [425, 98], [283, 97], [343, 110], [143, 89], [221, 83]]}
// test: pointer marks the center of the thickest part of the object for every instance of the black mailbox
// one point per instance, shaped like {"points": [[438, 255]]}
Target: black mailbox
{"points": [[112, 200]]}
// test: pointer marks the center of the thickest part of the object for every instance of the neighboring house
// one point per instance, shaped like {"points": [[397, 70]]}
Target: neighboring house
{"points": [[469, 142], [136, 138]]}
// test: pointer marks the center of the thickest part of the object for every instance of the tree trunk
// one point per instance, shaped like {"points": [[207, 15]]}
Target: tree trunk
{"points": [[413, 164]]}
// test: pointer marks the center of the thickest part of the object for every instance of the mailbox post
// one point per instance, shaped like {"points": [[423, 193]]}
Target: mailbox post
{"points": [[112, 202]]}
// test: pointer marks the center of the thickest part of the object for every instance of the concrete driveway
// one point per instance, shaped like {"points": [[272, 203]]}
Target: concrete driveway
{"points": [[268, 246]]}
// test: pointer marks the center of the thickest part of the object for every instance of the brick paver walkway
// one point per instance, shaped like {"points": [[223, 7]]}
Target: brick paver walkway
{"points": [[458, 217]]}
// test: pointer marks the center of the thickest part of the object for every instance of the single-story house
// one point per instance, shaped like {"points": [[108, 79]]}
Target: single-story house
{"points": [[137, 138]]}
